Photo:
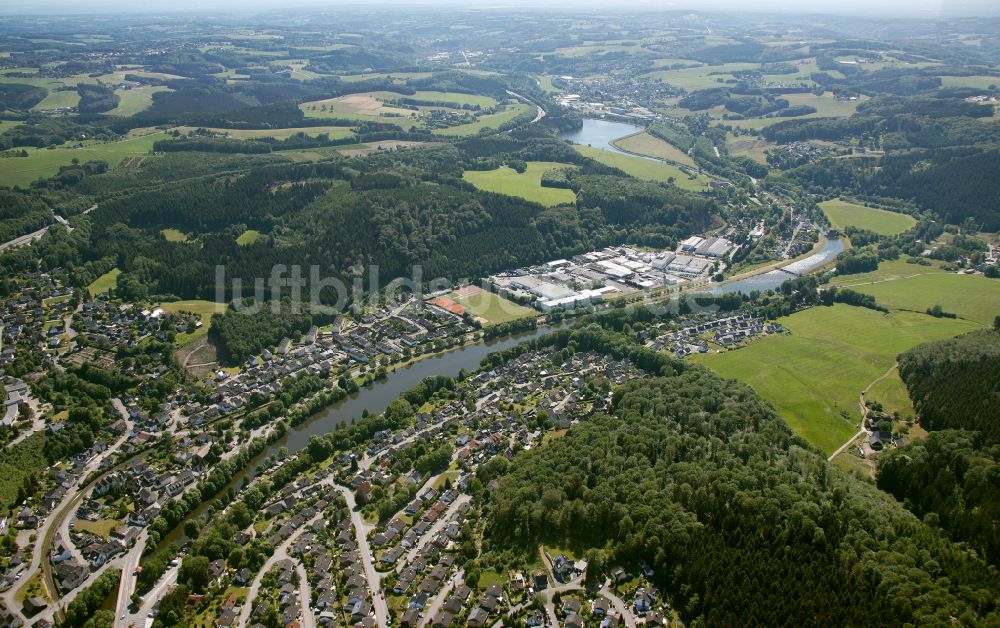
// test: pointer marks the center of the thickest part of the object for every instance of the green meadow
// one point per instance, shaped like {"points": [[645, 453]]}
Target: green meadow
{"points": [[642, 168], [845, 214], [527, 184], [493, 308], [819, 369], [45, 162], [105, 282]]}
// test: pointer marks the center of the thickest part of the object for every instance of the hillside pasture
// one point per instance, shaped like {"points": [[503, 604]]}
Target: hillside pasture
{"points": [[846, 214], [831, 354], [647, 169], [526, 185]]}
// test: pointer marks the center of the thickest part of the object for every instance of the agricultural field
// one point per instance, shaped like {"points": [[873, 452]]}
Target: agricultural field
{"points": [[45, 162], [364, 107], [826, 107], [374, 105], [527, 185], [652, 146], [702, 76], [8, 124], [400, 76], [492, 120], [846, 214], [973, 298], [135, 100], [641, 168], [819, 369], [491, 308], [105, 282], [335, 132], [977, 82]]}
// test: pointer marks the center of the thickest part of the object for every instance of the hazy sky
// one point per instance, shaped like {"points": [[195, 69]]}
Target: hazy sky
{"points": [[898, 8]]}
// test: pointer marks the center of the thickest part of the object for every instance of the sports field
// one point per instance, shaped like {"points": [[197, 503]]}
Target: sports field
{"points": [[527, 185], [845, 214], [490, 307], [652, 146], [45, 162], [641, 168], [105, 282], [821, 367]]}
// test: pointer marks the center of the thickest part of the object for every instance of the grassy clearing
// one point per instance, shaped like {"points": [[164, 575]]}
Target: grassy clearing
{"points": [[527, 185], [135, 100], [335, 132], [248, 237], [8, 124], [642, 168], [845, 214], [174, 235], [364, 106], [102, 527], [891, 393], [652, 146], [204, 310], [977, 82], [492, 308], [826, 107], [492, 120], [45, 162], [545, 82], [105, 282], [752, 147], [820, 368]]}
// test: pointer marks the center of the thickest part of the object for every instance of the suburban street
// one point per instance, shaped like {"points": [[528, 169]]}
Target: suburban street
{"points": [[361, 530]]}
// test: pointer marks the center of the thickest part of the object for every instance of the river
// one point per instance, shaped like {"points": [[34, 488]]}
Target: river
{"points": [[771, 280]]}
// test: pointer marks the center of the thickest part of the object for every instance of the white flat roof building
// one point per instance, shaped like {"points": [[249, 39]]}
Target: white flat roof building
{"points": [[692, 243]]}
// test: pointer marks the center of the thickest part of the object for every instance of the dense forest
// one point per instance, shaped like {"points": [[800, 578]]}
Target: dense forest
{"points": [[741, 522], [954, 384], [952, 478]]}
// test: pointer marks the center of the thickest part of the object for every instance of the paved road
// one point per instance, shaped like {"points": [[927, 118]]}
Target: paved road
{"points": [[22, 240], [432, 532], [47, 531], [442, 596], [361, 530], [126, 586], [152, 598], [305, 597], [541, 112], [280, 553], [623, 610]]}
